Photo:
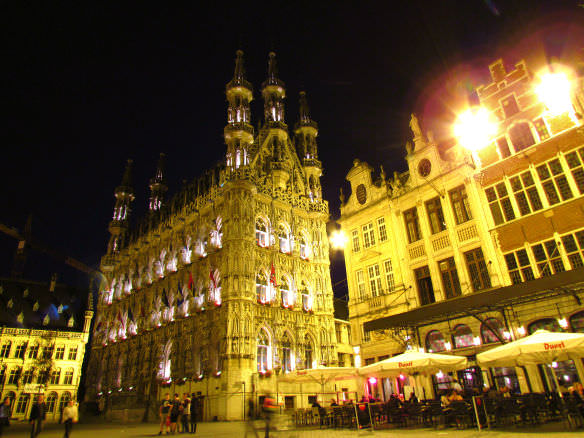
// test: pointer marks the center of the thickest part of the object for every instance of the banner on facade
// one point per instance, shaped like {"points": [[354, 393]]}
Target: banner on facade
{"points": [[33, 388]]}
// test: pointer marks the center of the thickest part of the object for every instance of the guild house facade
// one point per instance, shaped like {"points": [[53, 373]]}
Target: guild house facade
{"points": [[226, 286], [469, 249]]}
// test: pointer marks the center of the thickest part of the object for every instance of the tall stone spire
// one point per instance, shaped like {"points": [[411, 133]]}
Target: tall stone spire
{"points": [[274, 93], [118, 226], [238, 132], [305, 133], [158, 186]]}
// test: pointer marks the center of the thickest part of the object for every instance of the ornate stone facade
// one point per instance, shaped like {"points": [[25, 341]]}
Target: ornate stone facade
{"points": [[228, 284]]}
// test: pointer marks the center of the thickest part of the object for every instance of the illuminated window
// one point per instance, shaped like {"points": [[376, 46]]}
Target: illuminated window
{"points": [[435, 342], [283, 239], [412, 225], [574, 246], [262, 288], [368, 236], [554, 181], [425, 288], [462, 336], [435, 215], [500, 204], [492, 330], [306, 298], [460, 205], [450, 279], [389, 279], [262, 237], [525, 193], [477, 269], [575, 160], [542, 129], [60, 353], [547, 257], [510, 106], [263, 349], [287, 356], [286, 292], [519, 266], [381, 229], [521, 136], [549, 324], [374, 279], [355, 240], [360, 283]]}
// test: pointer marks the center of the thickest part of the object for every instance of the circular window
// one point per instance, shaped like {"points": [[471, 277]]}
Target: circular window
{"points": [[361, 194], [424, 167]]}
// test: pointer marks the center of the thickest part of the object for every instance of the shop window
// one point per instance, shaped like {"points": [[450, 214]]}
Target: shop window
{"points": [[549, 324], [525, 193], [435, 215], [518, 266], [500, 204], [449, 278], [462, 336], [492, 330], [506, 378], [575, 162], [577, 322], [554, 182], [521, 136], [547, 257], [425, 288], [460, 205], [435, 342], [477, 269], [412, 225]]}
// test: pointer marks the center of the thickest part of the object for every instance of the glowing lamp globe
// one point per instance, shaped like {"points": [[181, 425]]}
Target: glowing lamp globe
{"points": [[338, 239], [554, 92], [474, 129]]}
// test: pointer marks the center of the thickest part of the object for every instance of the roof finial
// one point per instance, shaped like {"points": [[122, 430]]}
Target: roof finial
{"points": [[127, 178], [239, 74], [272, 68]]}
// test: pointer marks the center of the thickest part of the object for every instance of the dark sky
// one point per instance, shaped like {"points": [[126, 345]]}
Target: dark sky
{"points": [[86, 85]]}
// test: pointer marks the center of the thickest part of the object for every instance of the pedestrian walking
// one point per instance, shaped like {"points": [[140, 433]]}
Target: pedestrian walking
{"points": [[38, 413], [70, 416], [164, 414], [194, 412], [270, 407], [186, 412], [4, 414], [174, 413]]}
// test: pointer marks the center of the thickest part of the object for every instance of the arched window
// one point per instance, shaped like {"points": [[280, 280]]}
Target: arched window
{"points": [[521, 136], [51, 402], [164, 365], [306, 297], [12, 396], [262, 233], [435, 342], [287, 354], [492, 330], [308, 353], [303, 246], [264, 360], [65, 398], [286, 292], [549, 324], [577, 322], [462, 336], [284, 243], [262, 288], [22, 403]]}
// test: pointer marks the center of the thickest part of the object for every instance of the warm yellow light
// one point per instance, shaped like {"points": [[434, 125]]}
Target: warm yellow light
{"points": [[554, 92], [474, 129], [338, 239]]}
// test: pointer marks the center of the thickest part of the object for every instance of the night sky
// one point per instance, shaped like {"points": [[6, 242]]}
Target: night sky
{"points": [[86, 85]]}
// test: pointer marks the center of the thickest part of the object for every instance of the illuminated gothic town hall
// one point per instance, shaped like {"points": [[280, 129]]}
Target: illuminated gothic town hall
{"points": [[226, 285]]}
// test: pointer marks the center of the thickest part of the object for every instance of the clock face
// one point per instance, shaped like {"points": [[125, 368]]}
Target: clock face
{"points": [[361, 194], [424, 168]]}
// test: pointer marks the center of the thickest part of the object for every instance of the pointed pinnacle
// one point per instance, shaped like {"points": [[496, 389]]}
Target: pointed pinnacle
{"points": [[272, 67], [127, 178], [239, 73], [303, 108]]}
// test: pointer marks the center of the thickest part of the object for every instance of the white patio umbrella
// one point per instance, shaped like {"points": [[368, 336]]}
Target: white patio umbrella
{"points": [[319, 375], [542, 347], [414, 362]]}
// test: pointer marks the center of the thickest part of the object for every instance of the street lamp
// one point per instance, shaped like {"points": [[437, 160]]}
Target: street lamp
{"points": [[554, 92], [474, 129], [338, 239]]}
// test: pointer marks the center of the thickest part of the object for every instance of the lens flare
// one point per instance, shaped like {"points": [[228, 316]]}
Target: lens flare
{"points": [[554, 92], [474, 129]]}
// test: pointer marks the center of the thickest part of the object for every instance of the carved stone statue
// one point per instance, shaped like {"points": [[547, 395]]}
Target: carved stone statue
{"points": [[415, 126]]}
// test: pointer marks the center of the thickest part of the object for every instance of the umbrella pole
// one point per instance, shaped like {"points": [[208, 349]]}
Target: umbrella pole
{"points": [[556, 384]]}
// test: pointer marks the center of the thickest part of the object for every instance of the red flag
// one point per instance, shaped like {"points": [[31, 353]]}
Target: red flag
{"points": [[191, 281], [212, 278], [273, 276]]}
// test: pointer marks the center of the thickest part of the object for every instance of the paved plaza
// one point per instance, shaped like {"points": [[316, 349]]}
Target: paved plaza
{"points": [[237, 429]]}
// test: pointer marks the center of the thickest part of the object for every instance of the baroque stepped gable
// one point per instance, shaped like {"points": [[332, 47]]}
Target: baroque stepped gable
{"points": [[230, 279]]}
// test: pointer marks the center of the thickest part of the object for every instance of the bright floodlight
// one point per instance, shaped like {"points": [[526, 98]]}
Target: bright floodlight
{"points": [[474, 129], [554, 92], [338, 239]]}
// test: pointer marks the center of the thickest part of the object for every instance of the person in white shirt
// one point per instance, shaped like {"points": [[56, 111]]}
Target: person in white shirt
{"points": [[70, 416]]}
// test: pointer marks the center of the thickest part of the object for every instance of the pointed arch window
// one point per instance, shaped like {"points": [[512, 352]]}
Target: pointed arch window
{"points": [[308, 353], [306, 297], [303, 247], [286, 292], [262, 289], [264, 359], [284, 240], [165, 363], [287, 354], [262, 233]]}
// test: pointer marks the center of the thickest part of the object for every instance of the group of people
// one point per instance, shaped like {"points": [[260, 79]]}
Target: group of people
{"points": [[177, 411]]}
